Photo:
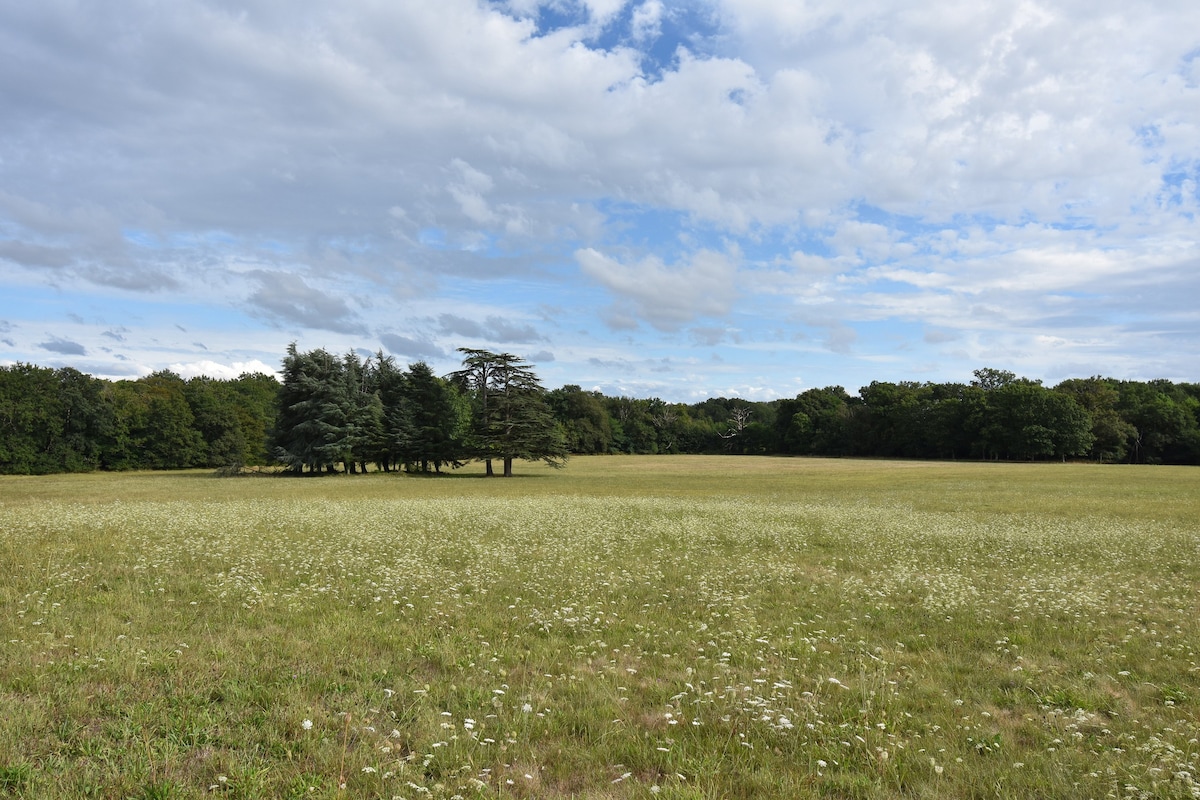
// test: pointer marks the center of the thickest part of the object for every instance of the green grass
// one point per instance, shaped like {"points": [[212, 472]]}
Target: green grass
{"points": [[630, 627]]}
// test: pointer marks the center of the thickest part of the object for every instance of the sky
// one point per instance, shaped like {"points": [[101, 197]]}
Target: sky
{"points": [[660, 198]]}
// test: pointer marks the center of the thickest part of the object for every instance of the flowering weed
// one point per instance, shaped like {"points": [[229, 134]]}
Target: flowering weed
{"points": [[669, 626]]}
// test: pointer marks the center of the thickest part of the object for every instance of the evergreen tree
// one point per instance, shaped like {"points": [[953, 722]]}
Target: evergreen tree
{"points": [[312, 428], [511, 418], [439, 419], [363, 434], [390, 383]]}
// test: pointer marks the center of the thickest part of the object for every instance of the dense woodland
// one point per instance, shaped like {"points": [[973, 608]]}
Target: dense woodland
{"points": [[332, 413]]}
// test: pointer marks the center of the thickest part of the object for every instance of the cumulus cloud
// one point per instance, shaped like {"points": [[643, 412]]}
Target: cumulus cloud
{"points": [[646, 24], [336, 168], [214, 369], [665, 296]]}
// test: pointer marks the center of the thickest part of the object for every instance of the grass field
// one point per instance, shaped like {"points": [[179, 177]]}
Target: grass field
{"points": [[679, 627]]}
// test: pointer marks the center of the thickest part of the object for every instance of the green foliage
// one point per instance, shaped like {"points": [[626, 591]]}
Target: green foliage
{"points": [[1164, 419], [632, 424], [396, 432], [28, 422], [1024, 420], [215, 417], [1099, 398], [357, 413], [587, 428], [14, 777], [817, 422], [253, 397], [153, 425], [50, 420]]}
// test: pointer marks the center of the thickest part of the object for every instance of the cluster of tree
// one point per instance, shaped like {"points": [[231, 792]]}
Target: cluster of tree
{"points": [[344, 413], [61, 420], [344, 410]]}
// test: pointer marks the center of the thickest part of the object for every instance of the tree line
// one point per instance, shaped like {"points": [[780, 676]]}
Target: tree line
{"points": [[345, 413], [997, 416], [62, 420]]}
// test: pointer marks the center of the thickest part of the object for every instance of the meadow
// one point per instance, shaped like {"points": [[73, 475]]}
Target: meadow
{"points": [[672, 627]]}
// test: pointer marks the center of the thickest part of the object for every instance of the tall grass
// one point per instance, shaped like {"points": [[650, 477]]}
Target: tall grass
{"points": [[629, 627]]}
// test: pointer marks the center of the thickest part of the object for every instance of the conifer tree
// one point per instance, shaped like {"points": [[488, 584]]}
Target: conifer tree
{"points": [[510, 416], [438, 416], [312, 426]]}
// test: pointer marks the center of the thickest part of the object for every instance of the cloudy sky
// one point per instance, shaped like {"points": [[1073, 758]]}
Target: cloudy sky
{"points": [[673, 198]]}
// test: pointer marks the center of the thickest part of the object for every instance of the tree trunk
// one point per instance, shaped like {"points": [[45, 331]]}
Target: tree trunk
{"points": [[488, 464], [508, 467]]}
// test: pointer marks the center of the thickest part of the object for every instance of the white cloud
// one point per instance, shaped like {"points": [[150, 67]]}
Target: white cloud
{"points": [[1008, 107], [469, 191], [665, 296], [288, 298], [646, 22], [603, 11], [1016, 169], [213, 369]]}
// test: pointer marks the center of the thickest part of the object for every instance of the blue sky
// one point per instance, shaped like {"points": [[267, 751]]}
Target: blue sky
{"points": [[674, 199]]}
